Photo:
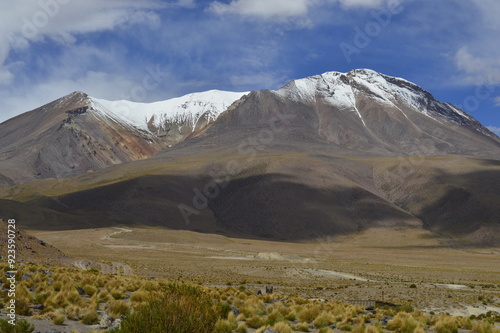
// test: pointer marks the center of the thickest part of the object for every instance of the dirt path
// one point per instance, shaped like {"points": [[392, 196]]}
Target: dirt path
{"points": [[120, 231]]}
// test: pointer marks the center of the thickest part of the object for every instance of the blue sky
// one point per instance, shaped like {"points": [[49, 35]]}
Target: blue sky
{"points": [[115, 49]]}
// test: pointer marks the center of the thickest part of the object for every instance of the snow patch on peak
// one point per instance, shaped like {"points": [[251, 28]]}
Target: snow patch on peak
{"points": [[341, 90], [186, 109]]}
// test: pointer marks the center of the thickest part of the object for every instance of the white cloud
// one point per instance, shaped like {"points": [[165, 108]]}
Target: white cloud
{"points": [[361, 3], [497, 101], [478, 69], [266, 9], [479, 58], [283, 10], [24, 22], [494, 129]]}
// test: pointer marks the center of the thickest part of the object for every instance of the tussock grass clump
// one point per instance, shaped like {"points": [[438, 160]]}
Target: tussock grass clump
{"points": [[59, 320], [90, 318], [22, 307], [262, 329], [21, 326], [445, 324], [404, 322], [482, 327], [252, 306], [223, 326], [274, 317], [325, 330], [104, 296], [74, 312], [242, 328], [182, 308], [90, 290], [302, 327], [226, 325], [232, 319], [360, 328], [118, 308], [372, 329], [255, 321], [118, 294], [309, 313], [323, 320], [282, 327], [139, 296]]}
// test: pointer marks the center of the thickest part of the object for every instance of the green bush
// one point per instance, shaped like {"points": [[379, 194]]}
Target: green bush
{"points": [[181, 309], [22, 326]]}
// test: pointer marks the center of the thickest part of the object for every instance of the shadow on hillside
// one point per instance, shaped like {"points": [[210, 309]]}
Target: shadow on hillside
{"points": [[269, 206]]}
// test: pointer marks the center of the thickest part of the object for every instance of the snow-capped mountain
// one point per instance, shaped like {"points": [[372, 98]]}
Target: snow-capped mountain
{"points": [[78, 133], [343, 90], [361, 111], [182, 114], [365, 112]]}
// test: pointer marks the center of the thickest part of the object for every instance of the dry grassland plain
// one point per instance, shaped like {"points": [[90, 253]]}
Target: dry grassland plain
{"points": [[403, 266]]}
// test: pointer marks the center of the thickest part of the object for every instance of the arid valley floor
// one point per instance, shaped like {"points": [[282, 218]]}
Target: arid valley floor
{"points": [[404, 266]]}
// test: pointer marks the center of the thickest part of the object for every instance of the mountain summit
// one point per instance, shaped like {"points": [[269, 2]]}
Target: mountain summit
{"points": [[363, 112]]}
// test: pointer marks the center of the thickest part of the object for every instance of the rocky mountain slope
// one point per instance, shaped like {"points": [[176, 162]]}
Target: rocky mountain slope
{"points": [[78, 133], [331, 154], [365, 112], [29, 248]]}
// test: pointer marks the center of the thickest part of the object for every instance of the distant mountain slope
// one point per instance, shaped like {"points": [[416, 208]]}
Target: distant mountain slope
{"points": [[77, 133], [68, 137], [331, 154]]}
